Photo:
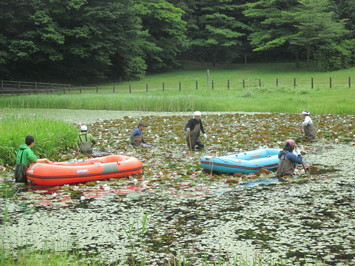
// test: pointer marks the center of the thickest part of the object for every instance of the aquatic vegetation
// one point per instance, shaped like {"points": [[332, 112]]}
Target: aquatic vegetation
{"points": [[52, 137], [173, 212]]}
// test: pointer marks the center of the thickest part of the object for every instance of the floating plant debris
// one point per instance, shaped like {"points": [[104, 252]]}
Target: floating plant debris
{"points": [[173, 211]]}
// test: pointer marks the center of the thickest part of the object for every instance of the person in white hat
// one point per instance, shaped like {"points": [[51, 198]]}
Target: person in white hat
{"points": [[193, 127], [85, 140], [307, 127]]}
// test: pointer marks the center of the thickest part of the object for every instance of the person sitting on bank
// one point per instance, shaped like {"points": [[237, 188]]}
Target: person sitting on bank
{"points": [[288, 160], [24, 158], [137, 138], [85, 140], [193, 127], [307, 127]]}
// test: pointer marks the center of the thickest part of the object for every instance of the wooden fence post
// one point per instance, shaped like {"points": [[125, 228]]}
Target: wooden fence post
{"points": [[330, 82], [212, 85], [179, 85], [18, 87], [312, 83], [294, 82], [349, 80], [163, 85], [277, 82], [196, 84], [130, 88], [243, 83], [259, 82], [146, 87], [228, 84]]}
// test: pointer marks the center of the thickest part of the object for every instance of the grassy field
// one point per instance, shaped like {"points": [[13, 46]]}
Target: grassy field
{"points": [[275, 87], [252, 74], [320, 101]]}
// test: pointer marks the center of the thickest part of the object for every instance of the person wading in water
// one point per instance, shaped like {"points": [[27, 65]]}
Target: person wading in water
{"points": [[307, 127], [85, 141], [194, 127], [288, 160]]}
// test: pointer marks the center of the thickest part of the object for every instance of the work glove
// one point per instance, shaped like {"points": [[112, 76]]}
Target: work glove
{"points": [[205, 136], [187, 129]]}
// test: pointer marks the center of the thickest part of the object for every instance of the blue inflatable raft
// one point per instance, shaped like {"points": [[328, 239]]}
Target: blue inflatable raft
{"points": [[244, 162]]}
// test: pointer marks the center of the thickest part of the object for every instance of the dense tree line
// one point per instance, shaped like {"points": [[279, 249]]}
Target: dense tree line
{"points": [[82, 40]]}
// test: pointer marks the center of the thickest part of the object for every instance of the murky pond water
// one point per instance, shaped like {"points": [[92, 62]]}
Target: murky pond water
{"points": [[175, 210]]}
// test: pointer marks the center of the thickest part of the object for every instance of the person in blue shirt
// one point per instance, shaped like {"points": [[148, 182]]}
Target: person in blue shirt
{"points": [[288, 160], [137, 135]]}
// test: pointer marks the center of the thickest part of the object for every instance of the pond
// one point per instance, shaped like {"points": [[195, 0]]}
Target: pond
{"points": [[173, 211]]}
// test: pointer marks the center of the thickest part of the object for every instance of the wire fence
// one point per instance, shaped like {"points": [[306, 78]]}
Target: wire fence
{"points": [[300, 83], [8, 87], [21, 87]]}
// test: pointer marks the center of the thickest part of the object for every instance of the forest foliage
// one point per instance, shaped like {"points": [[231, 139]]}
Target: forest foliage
{"points": [[86, 40]]}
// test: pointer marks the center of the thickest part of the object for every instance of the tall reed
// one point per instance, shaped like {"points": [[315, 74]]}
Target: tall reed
{"points": [[51, 137], [336, 100]]}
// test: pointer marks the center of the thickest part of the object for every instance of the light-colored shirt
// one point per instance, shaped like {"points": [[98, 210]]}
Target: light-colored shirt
{"points": [[307, 121]]}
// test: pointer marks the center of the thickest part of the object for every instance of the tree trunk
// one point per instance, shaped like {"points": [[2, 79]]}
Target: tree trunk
{"points": [[214, 60], [297, 58], [308, 54]]}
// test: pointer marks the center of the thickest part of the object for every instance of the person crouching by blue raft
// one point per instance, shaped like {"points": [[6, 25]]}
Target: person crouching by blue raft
{"points": [[288, 160], [137, 135]]}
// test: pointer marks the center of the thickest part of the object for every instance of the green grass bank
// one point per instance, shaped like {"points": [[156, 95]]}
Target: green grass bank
{"points": [[320, 101], [50, 136]]}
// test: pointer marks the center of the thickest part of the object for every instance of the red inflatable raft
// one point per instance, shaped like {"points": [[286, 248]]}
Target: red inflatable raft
{"points": [[111, 166]]}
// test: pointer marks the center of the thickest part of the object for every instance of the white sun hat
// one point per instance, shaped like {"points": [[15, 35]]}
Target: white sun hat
{"points": [[197, 113], [83, 128]]}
